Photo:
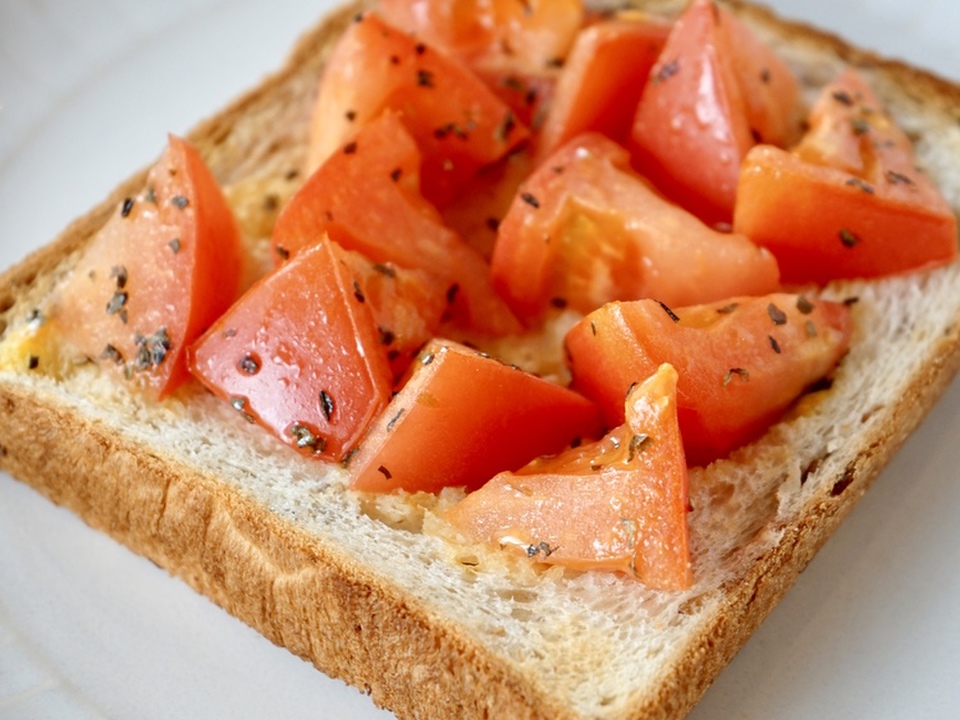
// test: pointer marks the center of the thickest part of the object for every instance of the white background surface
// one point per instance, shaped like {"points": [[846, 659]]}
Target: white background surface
{"points": [[88, 90]]}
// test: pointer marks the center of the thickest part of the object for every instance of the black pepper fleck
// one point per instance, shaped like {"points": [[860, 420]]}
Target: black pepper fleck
{"points": [[326, 404], [778, 316], [848, 238]]}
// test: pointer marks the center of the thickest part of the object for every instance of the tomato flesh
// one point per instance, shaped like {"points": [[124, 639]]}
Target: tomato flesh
{"points": [[602, 80], [301, 355], [366, 197], [714, 92], [848, 201], [617, 504], [461, 418], [458, 123], [405, 306], [584, 230], [741, 361], [163, 268], [525, 37]]}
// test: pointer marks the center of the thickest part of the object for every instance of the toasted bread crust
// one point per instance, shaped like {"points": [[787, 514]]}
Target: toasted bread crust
{"points": [[322, 603]]}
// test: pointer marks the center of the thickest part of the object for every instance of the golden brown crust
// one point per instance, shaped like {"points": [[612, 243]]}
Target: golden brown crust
{"points": [[298, 592], [322, 603]]}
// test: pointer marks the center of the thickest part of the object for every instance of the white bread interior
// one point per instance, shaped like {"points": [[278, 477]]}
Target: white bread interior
{"points": [[430, 629]]}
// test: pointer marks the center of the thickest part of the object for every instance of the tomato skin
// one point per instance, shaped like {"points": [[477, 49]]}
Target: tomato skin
{"points": [[163, 268], [405, 306], [461, 418], [525, 37], [463, 28], [706, 105], [584, 230], [301, 355], [841, 204], [601, 82], [617, 504], [528, 95], [741, 361], [458, 123], [366, 196]]}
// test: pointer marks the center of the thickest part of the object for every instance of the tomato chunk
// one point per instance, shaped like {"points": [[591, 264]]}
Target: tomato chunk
{"points": [[461, 418], [301, 355], [848, 201], [602, 80], [524, 37], [584, 230], [458, 123], [617, 504], [741, 362], [163, 268], [715, 91], [367, 198], [405, 306]]}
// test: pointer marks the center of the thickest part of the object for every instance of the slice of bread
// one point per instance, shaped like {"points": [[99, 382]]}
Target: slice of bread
{"points": [[429, 631]]}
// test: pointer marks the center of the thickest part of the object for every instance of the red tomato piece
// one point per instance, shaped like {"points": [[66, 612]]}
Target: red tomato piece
{"points": [[367, 198], [301, 355], [715, 91], [524, 37], [848, 201], [741, 361], [463, 28], [768, 87], [406, 308], [476, 215], [584, 230], [163, 268], [527, 94], [618, 504], [461, 418], [602, 80], [458, 123]]}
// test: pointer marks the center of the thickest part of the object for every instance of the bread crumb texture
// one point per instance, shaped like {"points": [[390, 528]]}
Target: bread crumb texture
{"points": [[371, 589]]}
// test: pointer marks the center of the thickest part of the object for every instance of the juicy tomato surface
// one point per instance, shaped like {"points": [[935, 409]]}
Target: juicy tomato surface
{"points": [[458, 123], [848, 201], [714, 92], [366, 196], [616, 504], [161, 270], [602, 80], [405, 306], [477, 214], [301, 355], [528, 95], [461, 418], [525, 36], [585, 230], [741, 361]]}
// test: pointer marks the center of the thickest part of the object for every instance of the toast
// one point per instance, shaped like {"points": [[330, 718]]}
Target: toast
{"points": [[269, 555]]}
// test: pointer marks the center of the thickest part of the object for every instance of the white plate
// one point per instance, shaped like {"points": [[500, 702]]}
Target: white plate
{"points": [[88, 630]]}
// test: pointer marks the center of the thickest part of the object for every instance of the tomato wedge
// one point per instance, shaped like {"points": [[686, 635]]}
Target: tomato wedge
{"points": [[848, 201], [715, 91], [741, 361], [602, 80], [405, 306], [458, 123], [163, 268], [522, 37], [367, 198], [584, 230], [300, 354], [461, 418], [616, 504]]}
